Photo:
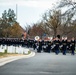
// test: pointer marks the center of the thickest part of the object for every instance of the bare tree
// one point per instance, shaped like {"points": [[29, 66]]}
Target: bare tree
{"points": [[52, 20], [68, 17]]}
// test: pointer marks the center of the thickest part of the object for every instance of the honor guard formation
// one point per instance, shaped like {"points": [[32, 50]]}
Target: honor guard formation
{"points": [[56, 45]]}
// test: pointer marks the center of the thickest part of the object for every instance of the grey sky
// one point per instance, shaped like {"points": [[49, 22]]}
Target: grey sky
{"points": [[29, 11]]}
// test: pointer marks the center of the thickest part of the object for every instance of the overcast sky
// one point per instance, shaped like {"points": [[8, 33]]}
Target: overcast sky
{"points": [[29, 11]]}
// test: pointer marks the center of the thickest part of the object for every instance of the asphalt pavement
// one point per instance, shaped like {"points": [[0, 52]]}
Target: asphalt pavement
{"points": [[42, 64]]}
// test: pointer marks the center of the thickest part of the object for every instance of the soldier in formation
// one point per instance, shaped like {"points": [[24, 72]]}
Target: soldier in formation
{"points": [[56, 45], [72, 45]]}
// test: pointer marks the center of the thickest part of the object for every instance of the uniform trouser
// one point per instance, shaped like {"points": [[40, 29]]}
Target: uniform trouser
{"points": [[57, 51], [39, 49], [49, 51], [73, 52], [34, 48], [64, 52]]}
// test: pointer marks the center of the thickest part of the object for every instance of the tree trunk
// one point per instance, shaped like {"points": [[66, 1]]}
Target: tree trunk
{"points": [[55, 32]]}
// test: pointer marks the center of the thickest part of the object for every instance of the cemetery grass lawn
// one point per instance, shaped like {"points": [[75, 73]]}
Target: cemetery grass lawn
{"points": [[2, 55]]}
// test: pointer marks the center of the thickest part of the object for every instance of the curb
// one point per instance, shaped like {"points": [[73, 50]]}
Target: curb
{"points": [[6, 60]]}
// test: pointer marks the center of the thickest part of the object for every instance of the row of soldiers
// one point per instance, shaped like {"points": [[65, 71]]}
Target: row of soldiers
{"points": [[56, 45], [16, 42]]}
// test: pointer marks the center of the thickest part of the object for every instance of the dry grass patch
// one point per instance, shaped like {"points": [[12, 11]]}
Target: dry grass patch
{"points": [[9, 54]]}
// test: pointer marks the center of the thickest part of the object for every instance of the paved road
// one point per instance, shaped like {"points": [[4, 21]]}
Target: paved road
{"points": [[42, 64]]}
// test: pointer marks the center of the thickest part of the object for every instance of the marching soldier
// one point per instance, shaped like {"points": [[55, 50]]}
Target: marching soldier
{"points": [[64, 45], [57, 43], [72, 46], [34, 45], [39, 46], [44, 47], [68, 45], [49, 47]]}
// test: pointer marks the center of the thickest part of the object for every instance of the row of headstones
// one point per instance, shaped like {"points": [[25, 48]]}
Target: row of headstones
{"points": [[14, 49]]}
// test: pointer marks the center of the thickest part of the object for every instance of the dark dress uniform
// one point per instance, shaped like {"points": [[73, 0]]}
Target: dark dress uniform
{"points": [[57, 43], [72, 47], [0, 41], [68, 46], [39, 47], [49, 47], [34, 45], [64, 48], [44, 47]]}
